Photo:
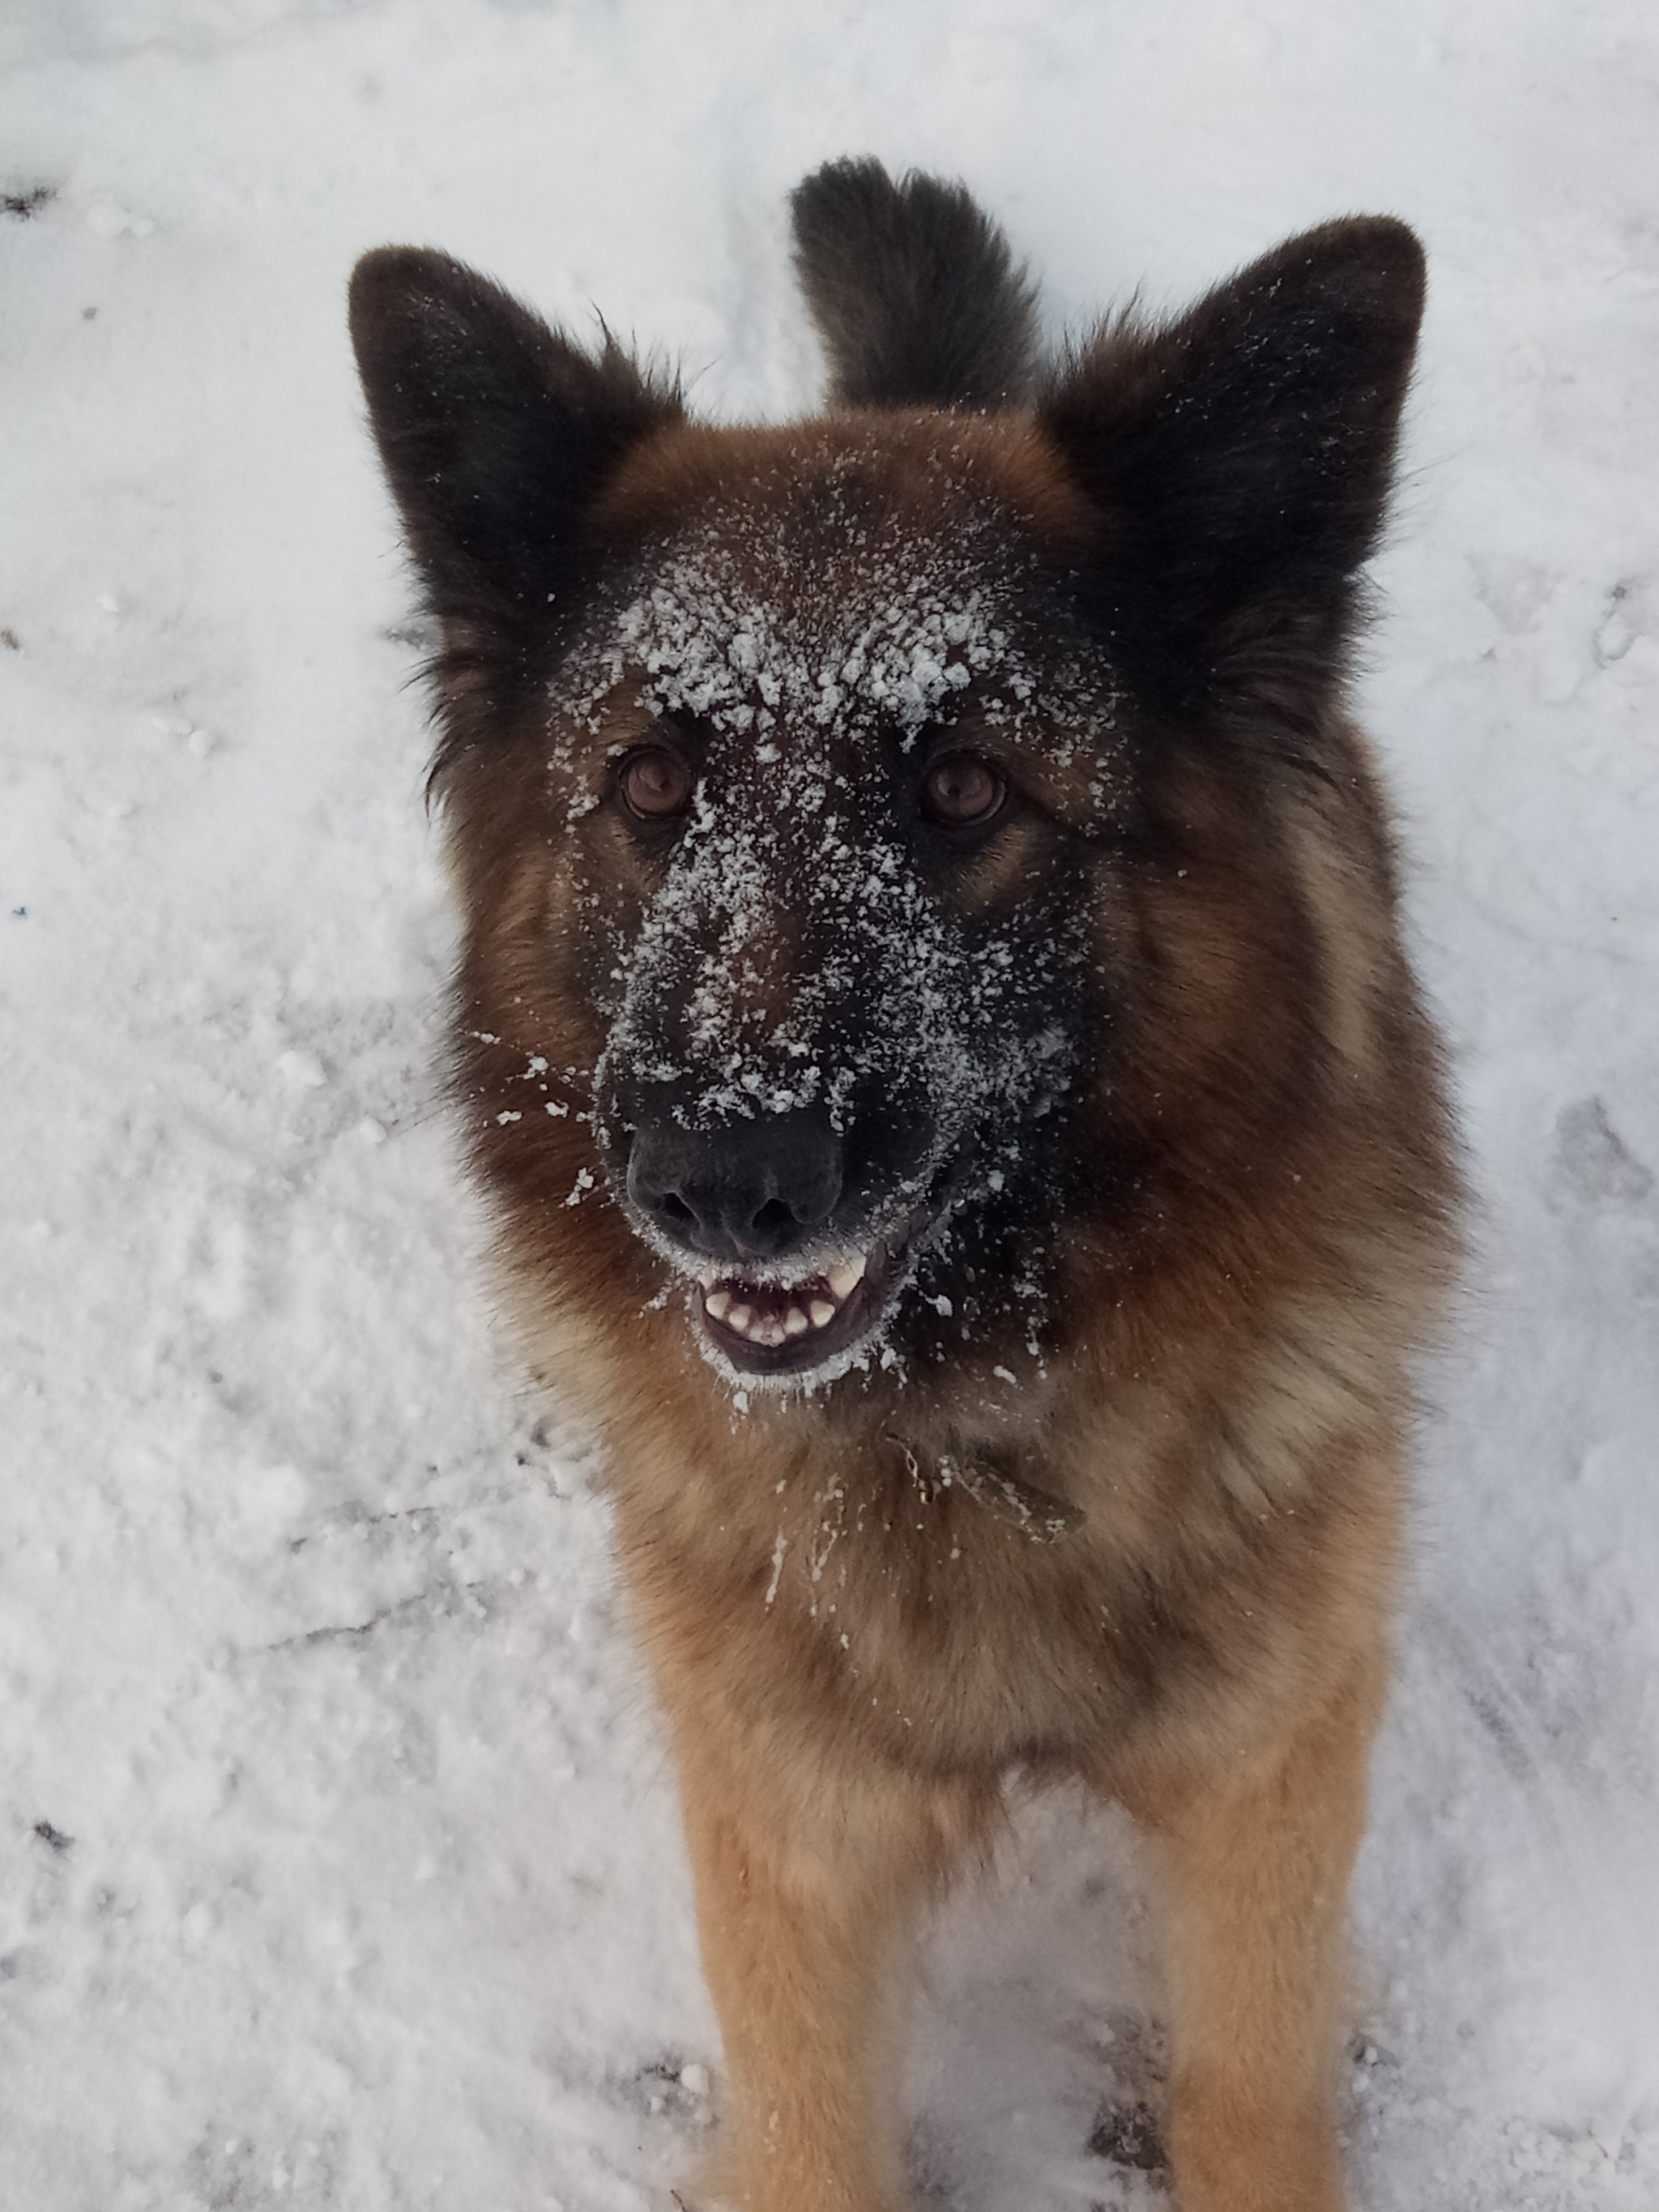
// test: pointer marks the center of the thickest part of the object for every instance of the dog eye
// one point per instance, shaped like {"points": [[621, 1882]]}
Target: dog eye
{"points": [[961, 791], [654, 784]]}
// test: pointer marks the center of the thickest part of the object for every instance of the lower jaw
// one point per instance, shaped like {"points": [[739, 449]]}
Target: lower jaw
{"points": [[829, 1347]]}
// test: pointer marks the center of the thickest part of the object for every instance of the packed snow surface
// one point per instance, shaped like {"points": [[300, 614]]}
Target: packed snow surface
{"points": [[339, 1861]]}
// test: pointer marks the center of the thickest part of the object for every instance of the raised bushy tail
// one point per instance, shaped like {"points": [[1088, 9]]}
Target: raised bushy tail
{"points": [[915, 292]]}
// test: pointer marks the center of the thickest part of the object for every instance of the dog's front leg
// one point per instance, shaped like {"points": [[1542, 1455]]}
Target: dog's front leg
{"points": [[1255, 1867], [810, 1872]]}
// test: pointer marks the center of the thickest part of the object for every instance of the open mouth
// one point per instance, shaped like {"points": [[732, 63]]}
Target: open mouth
{"points": [[778, 1325]]}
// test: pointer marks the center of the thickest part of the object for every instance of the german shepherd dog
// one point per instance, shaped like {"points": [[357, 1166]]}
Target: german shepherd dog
{"points": [[933, 1029]]}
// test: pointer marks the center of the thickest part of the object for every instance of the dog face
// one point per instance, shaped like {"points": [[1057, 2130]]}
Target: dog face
{"points": [[803, 782], [836, 754]]}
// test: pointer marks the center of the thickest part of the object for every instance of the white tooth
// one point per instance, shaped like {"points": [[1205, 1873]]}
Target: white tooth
{"points": [[709, 1276], [718, 1302], [766, 1332], [841, 1278], [795, 1322], [822, 1313], [738, 1317]]}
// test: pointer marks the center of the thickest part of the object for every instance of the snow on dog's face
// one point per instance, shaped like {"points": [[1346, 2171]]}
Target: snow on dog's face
{"points": [[828, 778]]}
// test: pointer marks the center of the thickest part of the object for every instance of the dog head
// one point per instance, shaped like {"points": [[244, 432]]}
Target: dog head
{"points": [[827, 850], [796, 776]]}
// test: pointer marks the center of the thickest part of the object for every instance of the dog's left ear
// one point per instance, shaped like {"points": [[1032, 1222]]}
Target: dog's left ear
{"points": [[497, 434], [1239, 460]]}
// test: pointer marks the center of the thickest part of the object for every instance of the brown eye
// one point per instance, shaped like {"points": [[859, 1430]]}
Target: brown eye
{"points": [[961, 791], [655, 784]]}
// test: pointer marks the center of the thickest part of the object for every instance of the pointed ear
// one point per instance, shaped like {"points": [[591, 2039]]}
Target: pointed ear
{"points": [[1239, 463], [495, 433]]}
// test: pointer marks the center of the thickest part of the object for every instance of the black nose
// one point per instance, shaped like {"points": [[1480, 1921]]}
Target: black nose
{"points": [[751, 1190]]}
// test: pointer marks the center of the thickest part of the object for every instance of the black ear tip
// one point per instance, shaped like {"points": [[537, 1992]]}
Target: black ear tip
{"points": [[1394, 251], [400, 291], [393, 269], [1375, 262], [379, 290]]}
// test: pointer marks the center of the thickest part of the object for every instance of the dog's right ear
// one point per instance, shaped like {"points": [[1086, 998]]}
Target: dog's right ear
{"points": [[1240, 460], [497, 434]]}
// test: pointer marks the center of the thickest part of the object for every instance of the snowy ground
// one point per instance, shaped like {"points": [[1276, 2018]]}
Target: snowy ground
{"points": [[339, 1866]]}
